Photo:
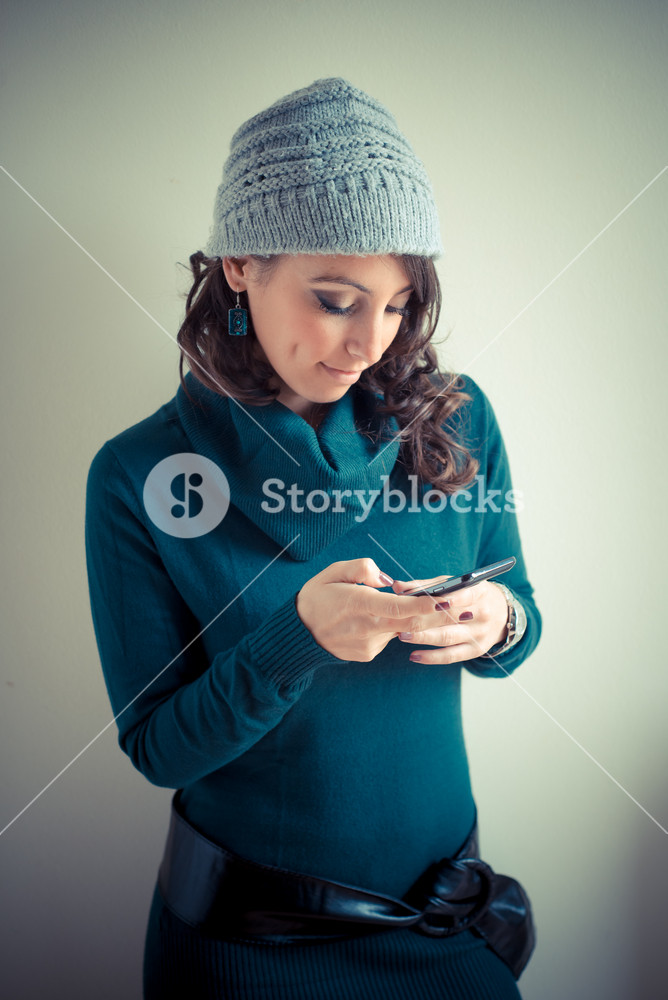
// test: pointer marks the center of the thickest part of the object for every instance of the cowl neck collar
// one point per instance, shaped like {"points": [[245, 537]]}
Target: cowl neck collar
{"points": [[266, 451]]}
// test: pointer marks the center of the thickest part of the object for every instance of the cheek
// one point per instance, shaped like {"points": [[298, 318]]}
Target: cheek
{"points": [[279, 332], [316, 339], [289, 333]]}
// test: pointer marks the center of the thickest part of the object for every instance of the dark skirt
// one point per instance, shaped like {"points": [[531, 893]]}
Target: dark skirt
{"points": [[389, 965]]}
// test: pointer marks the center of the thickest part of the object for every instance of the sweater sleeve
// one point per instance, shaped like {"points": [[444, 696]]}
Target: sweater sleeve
{"points": [[500, 535], [179, 716]]}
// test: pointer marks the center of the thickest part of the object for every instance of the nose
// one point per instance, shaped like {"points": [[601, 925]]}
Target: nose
{"points": [[368, 342]]}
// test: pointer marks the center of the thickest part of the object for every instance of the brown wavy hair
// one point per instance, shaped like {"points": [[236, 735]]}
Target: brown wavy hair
{"points": [[423, 400]]}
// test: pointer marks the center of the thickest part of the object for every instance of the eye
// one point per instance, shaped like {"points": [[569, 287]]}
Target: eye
{"points": [[334, 310], [329, 307]]}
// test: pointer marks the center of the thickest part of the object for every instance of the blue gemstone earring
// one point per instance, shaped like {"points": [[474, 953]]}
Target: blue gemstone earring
{"points": [[237, 320]]}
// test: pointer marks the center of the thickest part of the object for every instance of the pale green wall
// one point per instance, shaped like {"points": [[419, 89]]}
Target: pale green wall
{"points": [[538, 123]]}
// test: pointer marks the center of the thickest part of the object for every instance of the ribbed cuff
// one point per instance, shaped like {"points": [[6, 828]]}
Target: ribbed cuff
{"points": [[285, 651], [500, 666]]}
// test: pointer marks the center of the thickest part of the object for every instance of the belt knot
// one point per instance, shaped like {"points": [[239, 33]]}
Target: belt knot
{"points": [[452, 895]]}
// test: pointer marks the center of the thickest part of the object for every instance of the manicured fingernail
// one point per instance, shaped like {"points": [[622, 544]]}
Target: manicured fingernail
{"points": [[405, 635], [443, 606], [387, 580], [465, 616], [416, 657]]}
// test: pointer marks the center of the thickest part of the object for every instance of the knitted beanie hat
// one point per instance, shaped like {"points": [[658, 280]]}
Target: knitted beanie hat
{"points": [[324, 170]]}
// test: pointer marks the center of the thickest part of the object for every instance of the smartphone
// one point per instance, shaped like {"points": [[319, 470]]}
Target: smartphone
{"points": [[447, 585]]}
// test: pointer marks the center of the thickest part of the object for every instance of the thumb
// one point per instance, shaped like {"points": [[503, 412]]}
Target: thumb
{"points": [[362, 571]]}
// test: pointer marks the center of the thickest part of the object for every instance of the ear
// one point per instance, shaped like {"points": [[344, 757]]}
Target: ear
{"points": [[236, 271]]}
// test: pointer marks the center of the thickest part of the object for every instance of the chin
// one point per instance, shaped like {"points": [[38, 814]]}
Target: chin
{"points": [[329, 397]]}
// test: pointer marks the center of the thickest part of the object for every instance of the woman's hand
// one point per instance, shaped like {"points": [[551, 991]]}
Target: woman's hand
{"points": [[475, 621], [355, 622]]}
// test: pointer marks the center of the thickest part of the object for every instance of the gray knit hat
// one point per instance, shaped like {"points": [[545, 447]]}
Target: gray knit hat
{"points": [[324, 170]]}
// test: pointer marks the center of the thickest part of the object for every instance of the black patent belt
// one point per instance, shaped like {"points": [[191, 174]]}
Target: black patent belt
{"points": [[224, 895]]}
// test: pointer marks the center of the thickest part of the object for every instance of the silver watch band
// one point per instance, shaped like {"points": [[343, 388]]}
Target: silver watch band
{"points": [[515, 626]]}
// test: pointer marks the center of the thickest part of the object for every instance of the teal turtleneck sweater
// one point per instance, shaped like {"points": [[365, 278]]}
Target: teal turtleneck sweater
{"points": [[286, 754]]}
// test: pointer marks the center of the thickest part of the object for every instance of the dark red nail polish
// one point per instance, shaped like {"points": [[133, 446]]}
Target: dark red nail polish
{"points": [[465, 616], [443, 606], [416, 657]]}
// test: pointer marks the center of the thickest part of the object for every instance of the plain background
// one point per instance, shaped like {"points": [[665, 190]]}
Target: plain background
{"points": [[538, 123]]}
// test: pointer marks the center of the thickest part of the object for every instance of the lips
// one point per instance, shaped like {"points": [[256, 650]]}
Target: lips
{"points": [[343, 371], [341, 376]]}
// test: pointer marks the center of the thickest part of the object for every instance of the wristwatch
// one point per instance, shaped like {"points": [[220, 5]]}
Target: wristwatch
{"points": [[516, 624]]}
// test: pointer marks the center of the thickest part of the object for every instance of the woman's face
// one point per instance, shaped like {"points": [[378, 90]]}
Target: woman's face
{"points": [[321, 320]]}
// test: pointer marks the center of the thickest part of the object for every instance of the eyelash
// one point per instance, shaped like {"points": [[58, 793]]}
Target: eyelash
{"points": [[336, 311]]}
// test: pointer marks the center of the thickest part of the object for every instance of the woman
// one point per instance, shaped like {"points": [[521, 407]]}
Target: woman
{"points": [[259, 660]]}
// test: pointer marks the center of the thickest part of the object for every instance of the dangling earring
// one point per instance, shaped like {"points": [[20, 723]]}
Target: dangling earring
{"points": [[237, 320]]}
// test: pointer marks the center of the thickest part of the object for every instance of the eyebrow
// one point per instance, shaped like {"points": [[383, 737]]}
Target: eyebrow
{"points": [[340, 279]]}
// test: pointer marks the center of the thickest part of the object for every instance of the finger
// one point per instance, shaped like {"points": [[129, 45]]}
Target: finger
{"points": [[432, 623], [399, 586], [465, 597], [447, 635], [394, 610], [455, 653]]}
